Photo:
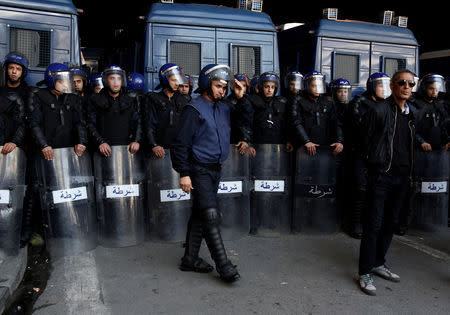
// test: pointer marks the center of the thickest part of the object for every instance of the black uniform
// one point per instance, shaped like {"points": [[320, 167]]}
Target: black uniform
{"points": [[316, 121], [114, 121], [12, 114], [269, 119], [162, 116], [241, 116], [430, 123]]}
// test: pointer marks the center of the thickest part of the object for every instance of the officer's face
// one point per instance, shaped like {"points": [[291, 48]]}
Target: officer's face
{"points": [[115, 82], [78, 82], [380, 90], [314, 88], [14, 71], [173, 82], [433, 89], [61, 86], [269, 89], [342, 95], [399, 89], [219, 89], [184, 89], [294, 87]]}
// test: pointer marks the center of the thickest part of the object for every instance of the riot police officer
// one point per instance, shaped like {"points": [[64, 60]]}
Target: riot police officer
{"points": [[314, 116], [135, 88], [12, 102], [293, 83], [96, 83], [186, 88], [79, 81], [377, 90], [270, 115], [431, 130], [163, 109], [241, 114], [201, 146], [113, 117], [55, 117]]}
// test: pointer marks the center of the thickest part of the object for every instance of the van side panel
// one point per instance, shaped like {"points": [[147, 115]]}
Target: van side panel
{"points": [[64, 39]]}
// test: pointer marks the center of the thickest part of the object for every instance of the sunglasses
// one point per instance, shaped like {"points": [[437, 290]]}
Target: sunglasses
{"points": [[403, 82]]}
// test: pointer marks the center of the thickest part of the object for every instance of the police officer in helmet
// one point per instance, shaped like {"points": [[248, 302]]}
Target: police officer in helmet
{"points": [[187, 88], [201, 146], [163, 109], [315, 118], [135, 88], [270, 114], [431, 129], [113, 117], [13, 97], [96, 83], [241, 115]]}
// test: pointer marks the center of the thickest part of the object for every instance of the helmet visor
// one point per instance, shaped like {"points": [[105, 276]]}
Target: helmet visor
{"points": [[382, 87], [175, 74], [221, 73], [63, 82], [342, 94], [316, 84]]}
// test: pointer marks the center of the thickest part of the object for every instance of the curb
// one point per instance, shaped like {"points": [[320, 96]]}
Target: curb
{"points": [[12, 269]]}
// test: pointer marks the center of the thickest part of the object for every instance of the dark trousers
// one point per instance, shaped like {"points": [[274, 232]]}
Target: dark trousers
{"points": [[205, 181], [386, 194]]}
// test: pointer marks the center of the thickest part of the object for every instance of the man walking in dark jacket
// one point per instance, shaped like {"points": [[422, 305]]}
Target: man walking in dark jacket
{"points": [[388, 152]]}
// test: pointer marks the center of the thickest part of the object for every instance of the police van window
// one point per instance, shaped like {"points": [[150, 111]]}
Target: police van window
{"points": [[34, 44], [346, 66], [246, 60], [187, 56], [392, 65]]}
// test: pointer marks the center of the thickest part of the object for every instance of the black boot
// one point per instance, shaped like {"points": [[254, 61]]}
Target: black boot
{"points": [[190, 260], [225, 268]]}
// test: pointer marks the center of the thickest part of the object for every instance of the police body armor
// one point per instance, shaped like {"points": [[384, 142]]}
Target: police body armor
{"points": [[113, 118], [315, 206], [68, 202], [12, 192], [269, 120], [168, 113], [120, 193], [169, 207], [271, 194], [234, 195]]}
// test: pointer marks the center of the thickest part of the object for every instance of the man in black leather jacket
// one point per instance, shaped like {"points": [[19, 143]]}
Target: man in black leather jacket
{"points": [[388, 151]]}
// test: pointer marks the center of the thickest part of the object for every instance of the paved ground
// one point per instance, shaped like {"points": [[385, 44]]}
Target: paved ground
{"points": [[293, 274]]}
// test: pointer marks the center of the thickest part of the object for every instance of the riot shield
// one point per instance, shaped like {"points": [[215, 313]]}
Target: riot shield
{"points": [[169, 207], [430, 190], [12, 192], [120, 194], [315, 208], [68, 202], [233, 195], [271, 194]]}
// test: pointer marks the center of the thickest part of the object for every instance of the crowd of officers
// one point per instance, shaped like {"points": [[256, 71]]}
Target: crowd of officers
{"points": [[111, 108]]}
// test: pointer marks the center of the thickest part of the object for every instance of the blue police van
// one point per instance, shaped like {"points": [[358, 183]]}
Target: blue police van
{"points": [[194, 35], [348, 49], [43, 31]]}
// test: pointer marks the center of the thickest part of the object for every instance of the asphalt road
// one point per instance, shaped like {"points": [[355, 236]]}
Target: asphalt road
{"points": [[292, 274]]}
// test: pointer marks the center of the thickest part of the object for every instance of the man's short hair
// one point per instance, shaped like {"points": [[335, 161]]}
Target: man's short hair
{"points": [[397, 74]]}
